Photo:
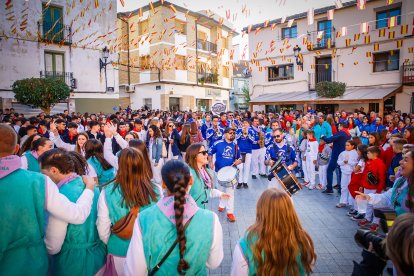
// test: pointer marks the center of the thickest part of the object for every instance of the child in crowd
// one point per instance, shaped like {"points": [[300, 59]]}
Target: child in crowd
{"points": [[302, 148], [324, 155], [397, 147], [311, 158], [364, 137], [355, 184], [347, 160], [373, 181]]}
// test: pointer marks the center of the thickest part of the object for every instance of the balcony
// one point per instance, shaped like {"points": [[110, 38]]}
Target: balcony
{"points": [[209, 78], [205, 45], [67, 77], [408, 74], [314, 78], [55, 32], [326, 40]]}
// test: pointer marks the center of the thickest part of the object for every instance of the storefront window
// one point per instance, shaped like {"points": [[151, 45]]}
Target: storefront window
{"points": [[202, 104]]}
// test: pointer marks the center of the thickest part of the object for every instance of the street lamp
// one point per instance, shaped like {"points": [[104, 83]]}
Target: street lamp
{"points": [[103, 63], [296, 53]]}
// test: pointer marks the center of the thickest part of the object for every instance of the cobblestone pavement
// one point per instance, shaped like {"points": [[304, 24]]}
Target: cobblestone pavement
{"points": [[330, 228]]}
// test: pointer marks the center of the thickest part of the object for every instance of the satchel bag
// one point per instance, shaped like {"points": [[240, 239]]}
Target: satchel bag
{"points": [[164, 152], [123, 227], [372, 179]]}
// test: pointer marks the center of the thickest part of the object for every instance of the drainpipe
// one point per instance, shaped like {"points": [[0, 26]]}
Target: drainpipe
{"points": [[196, 38], [129, 72]]}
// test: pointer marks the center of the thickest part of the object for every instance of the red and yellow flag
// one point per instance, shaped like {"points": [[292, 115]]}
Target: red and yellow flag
{"points": [[347, 42], [404, 29], [410, 50], [376, 46], [391, 35], [367, 39], [305, 40], [96, 3], [329, 43], [364, 27], [399, 43], [389, 2], [392, 21], [368, 54], [356, 37], [361, 4], [381, 32]]}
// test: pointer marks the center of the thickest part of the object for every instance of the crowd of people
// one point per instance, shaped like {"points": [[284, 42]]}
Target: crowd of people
{"points": [[128, 193]]}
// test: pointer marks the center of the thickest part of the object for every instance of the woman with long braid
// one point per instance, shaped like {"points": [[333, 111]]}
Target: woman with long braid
{"points": [[197, 231]]}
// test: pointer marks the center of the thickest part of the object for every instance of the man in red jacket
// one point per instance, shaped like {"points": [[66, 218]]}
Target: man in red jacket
{"points": [[373, 181]]}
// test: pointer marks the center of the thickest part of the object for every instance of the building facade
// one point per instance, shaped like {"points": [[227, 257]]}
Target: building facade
{"points": [[371, 50], [239, 94], [174, 59], [60, 39]]}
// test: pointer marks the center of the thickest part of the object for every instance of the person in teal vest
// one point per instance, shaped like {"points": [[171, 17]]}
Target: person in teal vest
{"points": [[202, 188], [78, 249], [398, 197], [175, 218], [101, 169], [29, 158], [24, 198], [132, 187], [276, 244]]}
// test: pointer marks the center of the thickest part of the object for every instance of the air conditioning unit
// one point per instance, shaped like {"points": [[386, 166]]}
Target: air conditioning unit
{"points": [[130, 88]]}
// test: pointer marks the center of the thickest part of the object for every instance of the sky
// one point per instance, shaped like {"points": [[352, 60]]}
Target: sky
{"points": [[256, 11]]}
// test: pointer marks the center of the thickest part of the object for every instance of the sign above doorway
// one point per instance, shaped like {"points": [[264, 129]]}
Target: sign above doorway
{"points": [[217, 108]]}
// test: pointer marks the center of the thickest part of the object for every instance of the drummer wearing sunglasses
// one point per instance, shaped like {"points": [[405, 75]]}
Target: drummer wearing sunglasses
{"points": [[227, 154]]}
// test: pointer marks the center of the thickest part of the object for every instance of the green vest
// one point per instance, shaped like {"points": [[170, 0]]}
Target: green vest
{"points": [[158, 234], [32, 163], [199, 190], [117, 210], [246, 248], [82, 253], [104, 176], [22, 224]]}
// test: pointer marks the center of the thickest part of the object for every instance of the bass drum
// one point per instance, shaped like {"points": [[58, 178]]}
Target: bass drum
{"points": [[227, 177]]}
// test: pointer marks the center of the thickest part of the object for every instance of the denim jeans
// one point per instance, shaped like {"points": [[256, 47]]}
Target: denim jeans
{"points": [[329, 173]]}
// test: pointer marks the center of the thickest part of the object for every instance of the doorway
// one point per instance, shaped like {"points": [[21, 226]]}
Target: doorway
{"points": [[327, 108], [323, 69], [174, 104]]}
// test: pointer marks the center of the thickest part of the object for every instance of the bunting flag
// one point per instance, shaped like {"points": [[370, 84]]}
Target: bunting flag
{"points": [[389, 2], [404, 29], [367, 39], [361, 4], [310, 16], [364, 28], [140, 12], [344, 31], [410, 50], [283, 20], [376, 46], [353, 49], [266, 23], [152, 6], [96, 3], [330, 14], [381, 32], [356, 37], [122, 3], [399, 43], [329, 43], [355, 62], [392, 21], [391, 35], [173, 8], [348, 42], [338, 34], [368, 54], [290, 22], [338, 4], [320, 35], [273, 26], [305, 40]]}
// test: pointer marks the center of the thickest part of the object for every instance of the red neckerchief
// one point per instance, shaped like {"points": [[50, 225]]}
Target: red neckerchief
{"points": [[346, 131], [40, 131], [312, 139], [342, 117], [320, 148], [71, 136], [391, 129], [224, 123], [61, 131], [136, 130], [350, 126], [311, 125], [123, 133]]}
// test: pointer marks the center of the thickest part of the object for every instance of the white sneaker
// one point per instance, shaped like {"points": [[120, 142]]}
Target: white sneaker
{"points": [[311, 187]]}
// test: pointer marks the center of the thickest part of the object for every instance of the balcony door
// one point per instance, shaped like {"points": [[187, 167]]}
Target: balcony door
{"points": [[323, 69], [53, 23], [326, 27], [54, 65]]}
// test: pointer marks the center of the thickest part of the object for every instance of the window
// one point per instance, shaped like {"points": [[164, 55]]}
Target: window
{"points": [[291, 32], [143, 27], [201, 36], [53, 28], [144, 62], [54, 62], [148, 103], [387, 61], [180, 27], [225, 71], [382, 17], [280, 72], [180, 62], [374, 107], [224, 43]]}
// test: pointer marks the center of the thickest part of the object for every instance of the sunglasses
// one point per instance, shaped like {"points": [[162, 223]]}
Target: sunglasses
{"points": [[204, 152], [170, 126], [277, 136], [231, 133]]}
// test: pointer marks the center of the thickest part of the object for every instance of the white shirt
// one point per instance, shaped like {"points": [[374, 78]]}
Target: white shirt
{"points": [[24, 163], [62, 211], [135, 263], [239, 266], [352, 157], [60, 144]]}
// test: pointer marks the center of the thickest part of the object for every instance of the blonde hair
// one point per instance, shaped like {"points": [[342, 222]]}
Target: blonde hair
{"points": [[281, 238]]}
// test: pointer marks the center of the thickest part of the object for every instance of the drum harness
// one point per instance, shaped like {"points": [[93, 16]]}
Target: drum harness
{"points": [[287, 152]]}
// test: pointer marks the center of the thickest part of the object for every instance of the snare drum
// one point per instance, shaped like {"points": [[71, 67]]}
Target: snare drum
{"points": [[287, 180], [228, 176]]}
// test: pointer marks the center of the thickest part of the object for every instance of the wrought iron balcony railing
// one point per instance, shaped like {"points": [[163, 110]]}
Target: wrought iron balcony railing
{"points": [[321, 39], [67, 77], [55, 32], [206, 46], [316, 77], [408, 74]]}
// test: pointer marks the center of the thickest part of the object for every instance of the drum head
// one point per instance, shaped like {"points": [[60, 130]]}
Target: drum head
{"points": [[226, 173]]}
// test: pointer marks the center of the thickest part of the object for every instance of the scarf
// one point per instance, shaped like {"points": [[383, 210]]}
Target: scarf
{"points": [[166, 205], [66, 180], [320, 148], [224, 123], [312, 139], [40, 131], [123, 133], [9, 164], [34, 153], [346, 131], [205, 177], [71, 136]]}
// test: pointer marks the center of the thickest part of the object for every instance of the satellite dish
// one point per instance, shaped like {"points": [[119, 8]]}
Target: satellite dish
{"points": [[246, 73]]}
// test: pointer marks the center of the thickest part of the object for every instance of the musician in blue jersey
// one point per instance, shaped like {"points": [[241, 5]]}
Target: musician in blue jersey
{"points": [[244, 142], [233, 122], [258, 149], [215, 133], [269, 134], [227, 154], [223, 120], [279, 149], [206, 125]]}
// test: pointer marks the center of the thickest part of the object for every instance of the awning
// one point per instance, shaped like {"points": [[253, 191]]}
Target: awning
{"points": [[365, 94]]}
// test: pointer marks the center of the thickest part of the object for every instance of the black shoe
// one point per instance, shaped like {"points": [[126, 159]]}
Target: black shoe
{"points": [[254, 177], [328, 192], [245, 185], [336, 186], [358, 217], [352, 213], [239, 185], [263, 175]]}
